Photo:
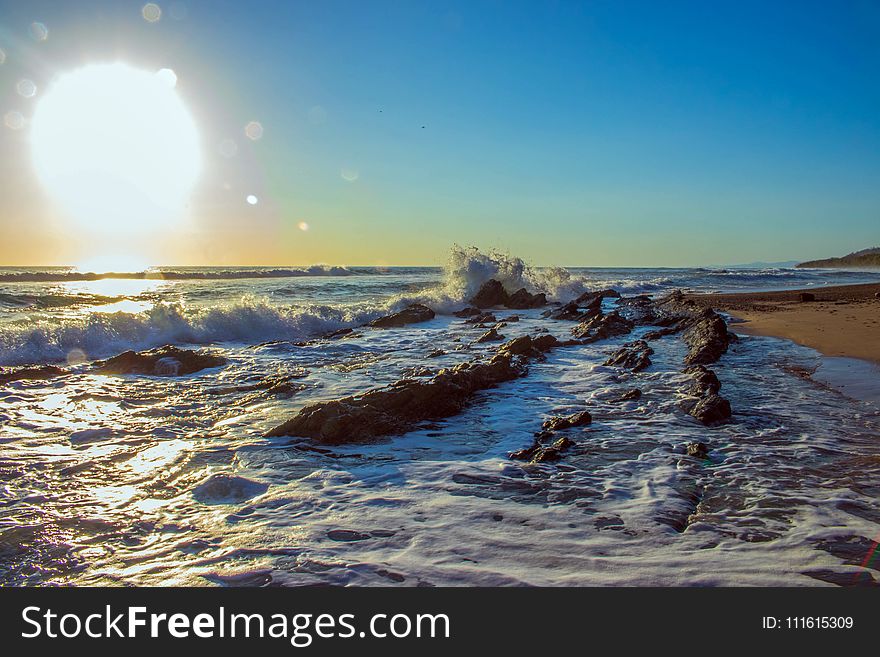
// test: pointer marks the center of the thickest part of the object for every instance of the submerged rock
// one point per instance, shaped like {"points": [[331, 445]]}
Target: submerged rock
{"points": [[163, 361], [228, 489], [10, 374], [540, 453], [412, 314], [632, 355]]}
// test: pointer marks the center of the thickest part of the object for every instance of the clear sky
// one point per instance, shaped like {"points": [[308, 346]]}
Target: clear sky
{"points": [[569, 133]]}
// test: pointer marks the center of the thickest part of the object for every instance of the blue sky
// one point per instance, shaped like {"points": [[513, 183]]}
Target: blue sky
{"points": [[590, 133]]}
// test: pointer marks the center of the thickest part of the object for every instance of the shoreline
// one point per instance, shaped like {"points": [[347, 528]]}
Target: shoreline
{"points": [[842, 321], [842, 324]]}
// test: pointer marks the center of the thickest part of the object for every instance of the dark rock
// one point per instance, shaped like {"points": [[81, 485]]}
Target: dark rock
{"points": [[492, 335], [412, 314], [539, 453], [512, 318], [470, 311], [710, 410], [806, 296], [490, 295], [588, 297], [436, 353], [703, 401], [698, 450], [10, 374], [705, 331], [628, 395], [163, 361], [482, 318], [633, 356], [602, 327], [522, 300], [703, 381], [400, 407], [530, 347], [559, 423]]}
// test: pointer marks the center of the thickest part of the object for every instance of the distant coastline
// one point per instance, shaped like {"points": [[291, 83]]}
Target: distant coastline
{"points": [[865, 259]]}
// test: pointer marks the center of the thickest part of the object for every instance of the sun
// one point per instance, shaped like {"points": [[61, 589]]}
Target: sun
{"points": [[117, 149]]}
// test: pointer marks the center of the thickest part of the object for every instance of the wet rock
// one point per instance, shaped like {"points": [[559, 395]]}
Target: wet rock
{"points": [[10, 374], [399, 407], [539, 453], [492, 335], [482, 318], [712, 409], [703, 401], [588, 297], [490, 295], [705, 331], [634, 356], [163, 361], [512, 318], [602, 327], [470, 311], [703, 381], [228, 489], [698, 450], [412, 314], [576, 420], [530, 347], [523, 300], [806, 296], [436, 353], [628, 395]]}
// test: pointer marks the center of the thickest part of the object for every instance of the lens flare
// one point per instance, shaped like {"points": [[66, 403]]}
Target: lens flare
{"points": [[151, 12]]}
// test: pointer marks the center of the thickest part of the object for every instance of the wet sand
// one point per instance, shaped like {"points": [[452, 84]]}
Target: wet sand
{"points": [[843, 321]]}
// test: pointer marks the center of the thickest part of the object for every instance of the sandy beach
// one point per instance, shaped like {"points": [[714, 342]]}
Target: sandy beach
{"points": [[841, 321]]}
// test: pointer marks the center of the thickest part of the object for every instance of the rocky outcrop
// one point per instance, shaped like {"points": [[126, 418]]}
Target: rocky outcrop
{"points": [[588, 297], [492, 294], [400, 407], [704, 330], [601, 327], [574, 312], [523, 300], [539, 452], [492, 335], [469, 311], [633, 356], [703, 401], [628, 395], [412, 314], [557, 423], [163, 361], [482, 318], [10, 374]]}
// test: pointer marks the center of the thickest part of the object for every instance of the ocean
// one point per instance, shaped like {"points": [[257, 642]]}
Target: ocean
{"points": [[110, 480]]}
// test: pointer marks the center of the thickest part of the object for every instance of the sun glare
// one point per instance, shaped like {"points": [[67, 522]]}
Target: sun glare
{"points": [[117, 148]]}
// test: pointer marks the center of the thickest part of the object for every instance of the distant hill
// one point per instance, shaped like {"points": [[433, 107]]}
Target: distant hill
{"points": [[864, 259]]}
